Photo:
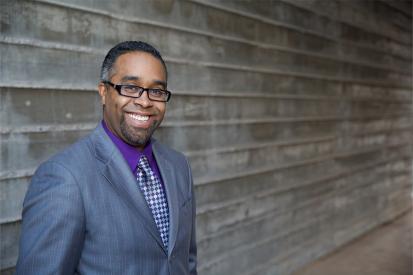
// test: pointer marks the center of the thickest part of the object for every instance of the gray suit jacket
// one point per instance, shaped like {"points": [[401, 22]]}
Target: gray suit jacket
{"points": [[84, 214]]}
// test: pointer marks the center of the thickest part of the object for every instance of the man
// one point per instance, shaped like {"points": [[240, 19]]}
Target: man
{"points": [[117, 201]]}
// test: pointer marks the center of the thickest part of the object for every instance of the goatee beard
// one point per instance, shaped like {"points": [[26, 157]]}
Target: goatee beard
{"points": [[137, 137]]}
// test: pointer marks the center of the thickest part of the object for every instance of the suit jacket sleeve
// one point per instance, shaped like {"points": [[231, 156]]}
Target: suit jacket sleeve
{"points": [[193, 247], [53, 223]]}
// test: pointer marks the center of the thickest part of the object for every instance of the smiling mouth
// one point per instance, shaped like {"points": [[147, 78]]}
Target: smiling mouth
{"points": [[138, 117]]}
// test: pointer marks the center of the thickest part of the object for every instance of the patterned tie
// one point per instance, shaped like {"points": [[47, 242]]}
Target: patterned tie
{"points": [[155, 197]]}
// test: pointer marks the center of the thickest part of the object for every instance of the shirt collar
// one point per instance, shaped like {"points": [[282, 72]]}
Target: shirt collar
{"points": [[130, 153]]}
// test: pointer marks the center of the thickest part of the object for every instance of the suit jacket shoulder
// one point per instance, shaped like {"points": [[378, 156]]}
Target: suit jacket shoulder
{"points": [[170, 154]]}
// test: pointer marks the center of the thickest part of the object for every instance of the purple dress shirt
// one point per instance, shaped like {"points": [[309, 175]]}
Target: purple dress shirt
{"points": [[132, 154]]}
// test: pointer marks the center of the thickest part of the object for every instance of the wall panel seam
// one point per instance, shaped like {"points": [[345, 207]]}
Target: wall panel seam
{"points": [[277, 23], [273, 22], [404, 12], [14, 219], [277, 190], [271, 191], [233, 38], [247, 247], [226, 66], [196, 123], [345, 22], [271, 212], [262, 268], [204, 93], [16, 174], [266, 240], [258, 145], [206, 180], [23, 173]]}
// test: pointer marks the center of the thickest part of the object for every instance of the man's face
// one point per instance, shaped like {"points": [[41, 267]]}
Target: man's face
{"points": [[134, 119]]}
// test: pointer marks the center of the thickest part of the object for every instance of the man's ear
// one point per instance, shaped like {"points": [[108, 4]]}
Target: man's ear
{"points": [[102, 92]]}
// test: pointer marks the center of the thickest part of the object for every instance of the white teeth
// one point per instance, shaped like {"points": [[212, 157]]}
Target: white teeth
{"points": [[138, 117]]}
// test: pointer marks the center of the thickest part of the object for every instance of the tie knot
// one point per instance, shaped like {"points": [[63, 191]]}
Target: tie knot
{"points": [[143, 165]]}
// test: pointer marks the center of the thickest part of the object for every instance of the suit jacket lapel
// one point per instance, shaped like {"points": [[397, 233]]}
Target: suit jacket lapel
{"points": [[117, 172], [169, 180]]}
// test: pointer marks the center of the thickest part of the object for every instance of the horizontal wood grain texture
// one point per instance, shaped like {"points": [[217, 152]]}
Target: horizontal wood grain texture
{"points": [[60, 61], [360, 15], [67, 33], [295, 115]]}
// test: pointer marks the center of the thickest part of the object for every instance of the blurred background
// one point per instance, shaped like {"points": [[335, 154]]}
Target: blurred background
{"points": [[296, 115]]}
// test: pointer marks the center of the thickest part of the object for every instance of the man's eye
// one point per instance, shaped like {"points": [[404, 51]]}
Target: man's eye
{"points": [[156, 92], [131, 89]]}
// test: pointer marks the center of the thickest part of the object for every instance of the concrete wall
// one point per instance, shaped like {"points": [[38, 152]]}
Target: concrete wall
{"points": [[296, 115]]}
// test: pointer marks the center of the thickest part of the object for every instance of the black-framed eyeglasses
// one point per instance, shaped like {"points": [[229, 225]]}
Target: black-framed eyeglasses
{"points": [[134, 91]]}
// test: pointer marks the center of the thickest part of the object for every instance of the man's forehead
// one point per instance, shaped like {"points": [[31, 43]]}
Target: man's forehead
{"points": [[137, 55], [137, 65], [136, 78]]}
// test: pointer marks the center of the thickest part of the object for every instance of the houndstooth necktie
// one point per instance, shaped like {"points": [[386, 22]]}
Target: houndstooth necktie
{"points": [[155, 197]]}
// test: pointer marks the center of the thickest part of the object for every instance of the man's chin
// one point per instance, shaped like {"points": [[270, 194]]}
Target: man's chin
{"points": [[136, 139]]}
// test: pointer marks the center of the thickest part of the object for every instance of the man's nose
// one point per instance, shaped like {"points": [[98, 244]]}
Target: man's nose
{"points": [[143, 100]]}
